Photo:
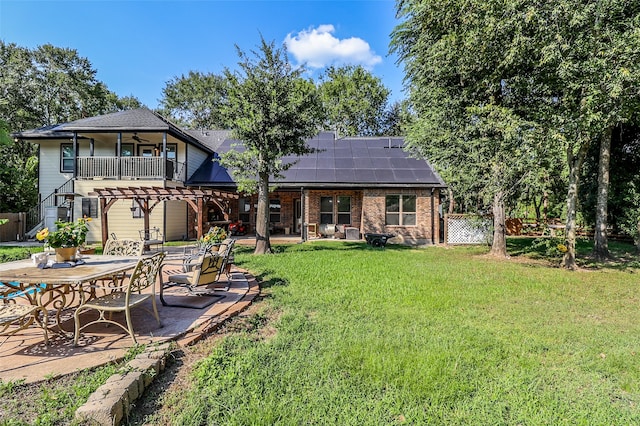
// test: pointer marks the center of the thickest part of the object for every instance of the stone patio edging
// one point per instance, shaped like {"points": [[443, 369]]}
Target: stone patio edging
{"points": [[112, 402]]}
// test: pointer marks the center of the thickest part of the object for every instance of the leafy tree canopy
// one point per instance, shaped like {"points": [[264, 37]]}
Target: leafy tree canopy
{"points": [[354, 100], [272, 110], [195, 100]]}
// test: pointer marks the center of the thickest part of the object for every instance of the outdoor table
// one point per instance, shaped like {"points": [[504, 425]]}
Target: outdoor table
{"points": [[57, 288]]}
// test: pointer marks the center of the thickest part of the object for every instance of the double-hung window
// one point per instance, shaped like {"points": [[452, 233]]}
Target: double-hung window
{"points": [[400, 210], [344, 210], [326, 210], [335, 210]]}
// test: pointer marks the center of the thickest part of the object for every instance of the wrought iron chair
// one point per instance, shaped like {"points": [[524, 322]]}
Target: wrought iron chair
{"points": [[123, 247], [15, 317], [125, 297]]}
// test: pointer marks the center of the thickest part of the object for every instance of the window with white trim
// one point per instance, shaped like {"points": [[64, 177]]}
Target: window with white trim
{"points": [[400, 210]]}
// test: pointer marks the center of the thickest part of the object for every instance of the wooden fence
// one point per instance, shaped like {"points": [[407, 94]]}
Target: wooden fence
{"points": [[15, 229]]}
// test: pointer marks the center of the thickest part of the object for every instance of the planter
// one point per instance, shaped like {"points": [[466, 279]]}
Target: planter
{"points": [[65, 254]]}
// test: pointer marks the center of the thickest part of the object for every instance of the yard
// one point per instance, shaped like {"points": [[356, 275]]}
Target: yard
{"points": [[348, 334]]}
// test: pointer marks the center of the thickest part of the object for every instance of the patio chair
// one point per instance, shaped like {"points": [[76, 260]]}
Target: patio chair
{"points": [[125, 297], [15, 317], [123, 247], [200, 275]]}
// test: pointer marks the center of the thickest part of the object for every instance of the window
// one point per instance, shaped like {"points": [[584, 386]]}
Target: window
{"points": [[326, 210], [400, 210], [172, 151], [274, 211], [344, 210], [89, 207], [244, 210], [66, 157], [126, 150]]}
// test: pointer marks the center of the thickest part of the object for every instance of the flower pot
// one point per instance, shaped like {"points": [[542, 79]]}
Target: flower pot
{"points": [[65, 254]]}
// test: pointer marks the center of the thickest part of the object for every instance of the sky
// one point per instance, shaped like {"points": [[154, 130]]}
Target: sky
{"points": [[136, 47]]}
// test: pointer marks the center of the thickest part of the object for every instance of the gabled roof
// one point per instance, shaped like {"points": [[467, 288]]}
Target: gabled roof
{"points": [[130, 121], [346, 162]]}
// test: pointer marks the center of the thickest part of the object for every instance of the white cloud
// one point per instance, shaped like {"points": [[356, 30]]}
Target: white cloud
{"points": [[318, 48]]}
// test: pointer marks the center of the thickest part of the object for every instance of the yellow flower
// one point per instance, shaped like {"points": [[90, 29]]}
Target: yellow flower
{"points": [[43, 234], [562, 248]]}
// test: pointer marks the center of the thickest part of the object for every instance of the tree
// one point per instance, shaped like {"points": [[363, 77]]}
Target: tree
{"points": [[272, 110], [568, 67], [354, 100], [66, 87], [465, 69], [589, 66], [397, 119], [195, 100], [44, 86]]}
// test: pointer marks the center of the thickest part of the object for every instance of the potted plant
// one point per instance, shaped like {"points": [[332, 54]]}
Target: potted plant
{"points": [[212, 238], [66, 238]]}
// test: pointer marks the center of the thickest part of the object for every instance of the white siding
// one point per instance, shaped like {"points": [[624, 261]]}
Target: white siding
{"points": [[50, 177], [196, 158], [176, 220], [120, 217]]}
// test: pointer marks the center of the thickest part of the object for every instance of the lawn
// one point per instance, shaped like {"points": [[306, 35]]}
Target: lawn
{"points": [[351, 335]]}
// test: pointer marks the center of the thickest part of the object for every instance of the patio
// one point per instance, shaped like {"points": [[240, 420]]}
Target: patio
{"points": [[25, 357]]}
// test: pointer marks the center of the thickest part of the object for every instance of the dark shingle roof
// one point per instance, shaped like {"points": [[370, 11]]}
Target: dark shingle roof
{"points": [[140, 119]]}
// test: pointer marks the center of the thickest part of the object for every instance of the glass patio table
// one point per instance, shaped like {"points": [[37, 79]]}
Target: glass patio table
{"points": [[58, 288]]}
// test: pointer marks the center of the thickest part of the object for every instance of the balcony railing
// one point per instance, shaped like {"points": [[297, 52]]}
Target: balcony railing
{"points": [[146, 168]]}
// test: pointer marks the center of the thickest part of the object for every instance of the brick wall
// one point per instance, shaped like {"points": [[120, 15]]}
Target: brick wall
{"points": [[373, 216]]}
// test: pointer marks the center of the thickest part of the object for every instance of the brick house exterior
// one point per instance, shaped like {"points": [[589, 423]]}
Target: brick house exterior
{"points": [[370, 184], [148, 173]]}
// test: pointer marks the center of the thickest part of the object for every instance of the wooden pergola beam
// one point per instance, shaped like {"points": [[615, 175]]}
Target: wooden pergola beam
{"points": [[195, 197]]}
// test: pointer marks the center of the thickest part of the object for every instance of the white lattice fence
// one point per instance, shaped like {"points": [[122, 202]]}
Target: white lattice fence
{"points": [[467, 229]]}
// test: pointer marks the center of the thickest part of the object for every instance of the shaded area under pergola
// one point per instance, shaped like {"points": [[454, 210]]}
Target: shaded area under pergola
{"points": [[149, 197]]}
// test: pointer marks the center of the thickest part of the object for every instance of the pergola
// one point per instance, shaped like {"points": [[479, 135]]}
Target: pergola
{"points": [[149, 197]]}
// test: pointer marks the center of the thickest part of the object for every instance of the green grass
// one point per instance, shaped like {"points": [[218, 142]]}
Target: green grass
{"points": [[364, 336]]}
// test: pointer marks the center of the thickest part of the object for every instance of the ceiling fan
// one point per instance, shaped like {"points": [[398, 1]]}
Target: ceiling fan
{"points": [[137, 138]]}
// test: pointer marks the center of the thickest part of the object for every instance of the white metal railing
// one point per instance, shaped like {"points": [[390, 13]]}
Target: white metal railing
{"points": [[130, 168]]}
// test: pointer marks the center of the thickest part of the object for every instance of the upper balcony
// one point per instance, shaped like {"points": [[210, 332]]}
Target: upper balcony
{"points": [[136, 168]]}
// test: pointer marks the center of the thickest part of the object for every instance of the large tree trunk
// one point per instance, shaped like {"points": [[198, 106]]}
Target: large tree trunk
{"points": [[263, 245], [575, 165], [601, 245], [499, 245]]}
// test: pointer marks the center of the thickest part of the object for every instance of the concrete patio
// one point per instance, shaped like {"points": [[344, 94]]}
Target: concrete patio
{"points": [[25, 357]]}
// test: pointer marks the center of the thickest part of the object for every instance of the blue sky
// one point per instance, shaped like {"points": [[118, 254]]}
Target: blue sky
{"points": [[137, 46]]}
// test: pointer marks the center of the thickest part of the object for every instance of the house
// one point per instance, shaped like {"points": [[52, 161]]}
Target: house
{"points": [[134, 170]]}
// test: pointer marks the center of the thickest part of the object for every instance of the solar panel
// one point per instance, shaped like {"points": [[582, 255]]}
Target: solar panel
{"points": [[384, 175], [344, 163], [345, 175], [349, 160]]}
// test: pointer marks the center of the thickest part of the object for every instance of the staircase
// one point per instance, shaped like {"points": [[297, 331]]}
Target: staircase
{"points": [[35, 215]]}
